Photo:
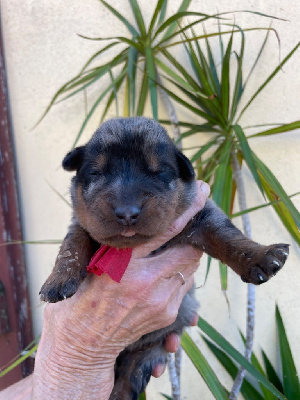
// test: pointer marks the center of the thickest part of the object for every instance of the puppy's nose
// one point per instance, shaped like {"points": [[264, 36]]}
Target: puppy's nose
{"points": [[127, 215]]}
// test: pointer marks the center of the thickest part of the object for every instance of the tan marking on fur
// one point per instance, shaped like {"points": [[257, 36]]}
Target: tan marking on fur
{"points": [[100, 161], [152, 160]]}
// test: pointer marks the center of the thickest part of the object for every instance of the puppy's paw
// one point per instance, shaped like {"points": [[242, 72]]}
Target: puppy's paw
{"points": [[62, 284], [267, 263], [54, 291]]}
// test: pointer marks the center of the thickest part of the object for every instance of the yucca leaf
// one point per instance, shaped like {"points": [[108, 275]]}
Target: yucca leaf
{"points": [[254, 360], [126, 105], [96, 105], [151, 72], [282, 211], [271, 373], [209, 259], [184, 29], [133, 55], [197, 68], [238, 357], [97, 54], [206, 69], [197, 98], [248, 210], [121, 18], [60, 91], [204, 148], [182, 123], [291, 385], [195, 110], [46, 241], [280, 129], [278, 191], [212, 65], [219, 189], [223, 276], [163, 11], [86, 79], [225, 82], [213, 163], [219, 34], [176, 18], [204, 101], [160, 4], [85, 83], [142, 396], [138, 17], [247, 154], [227, 191], [238, 89], [189, 79], [200, 128], [113, 96], [173, 75], [18, 361], [257, 57], [173, 26], [203, 367], [143, 94], [274, 73], [221, 44], [114, 91], [247, 390], [121, 39], [166, 396]]}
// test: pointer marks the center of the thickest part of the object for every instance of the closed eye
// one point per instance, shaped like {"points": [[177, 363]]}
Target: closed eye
{"points": [[95, 173]]}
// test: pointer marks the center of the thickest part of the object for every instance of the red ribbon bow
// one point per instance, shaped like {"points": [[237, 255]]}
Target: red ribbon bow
{"points": [[110, 261]]}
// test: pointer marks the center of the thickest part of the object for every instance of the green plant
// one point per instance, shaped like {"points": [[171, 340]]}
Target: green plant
{"points": [[206, 93], [288, 386], [139, 56]]}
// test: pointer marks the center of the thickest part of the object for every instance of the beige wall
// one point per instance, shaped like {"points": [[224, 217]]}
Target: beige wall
{"points": [[43, 51]]}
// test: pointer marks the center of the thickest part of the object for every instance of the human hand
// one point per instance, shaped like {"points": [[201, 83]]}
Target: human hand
{"points": [[83, 335]]}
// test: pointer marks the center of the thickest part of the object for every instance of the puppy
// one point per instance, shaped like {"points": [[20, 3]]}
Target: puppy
{"points": [[131, 183]]}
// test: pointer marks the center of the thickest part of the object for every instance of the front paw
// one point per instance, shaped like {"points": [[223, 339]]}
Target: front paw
{"points": [[266, 263], [56, 290]]}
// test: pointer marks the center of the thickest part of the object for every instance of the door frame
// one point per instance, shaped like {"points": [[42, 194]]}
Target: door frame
{"points": [[12, 259]]}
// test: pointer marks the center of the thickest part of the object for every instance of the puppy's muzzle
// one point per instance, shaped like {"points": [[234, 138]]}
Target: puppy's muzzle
{"points": [[127, 215]]}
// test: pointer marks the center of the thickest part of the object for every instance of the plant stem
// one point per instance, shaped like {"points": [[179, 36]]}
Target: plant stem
{"points": [[174, 378], [237, 175]]}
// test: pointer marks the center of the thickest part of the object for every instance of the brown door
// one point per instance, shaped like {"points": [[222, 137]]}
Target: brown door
{"points": [[15, 313]]}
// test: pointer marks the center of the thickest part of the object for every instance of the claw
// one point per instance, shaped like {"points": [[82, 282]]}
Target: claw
{"points": [[260, 277]]}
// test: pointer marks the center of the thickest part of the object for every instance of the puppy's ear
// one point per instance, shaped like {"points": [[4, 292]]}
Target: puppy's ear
{"points": [[73, 159], [186, 170]]}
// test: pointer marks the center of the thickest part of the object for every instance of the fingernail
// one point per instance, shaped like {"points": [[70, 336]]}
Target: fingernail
{"points": [[205, 188]]}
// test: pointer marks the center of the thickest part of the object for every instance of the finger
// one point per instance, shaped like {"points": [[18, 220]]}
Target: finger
{"points": [[201, 196], [194, 320], [158, 370], [172, 342]]}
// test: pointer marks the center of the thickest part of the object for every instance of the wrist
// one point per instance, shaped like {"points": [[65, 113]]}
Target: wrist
{"points": [[67, 375]]}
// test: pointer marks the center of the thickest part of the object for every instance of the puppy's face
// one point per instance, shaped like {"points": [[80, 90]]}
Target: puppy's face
{"points": [[131, 182]]}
